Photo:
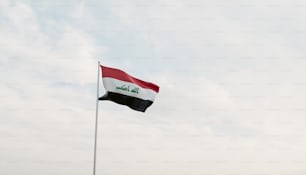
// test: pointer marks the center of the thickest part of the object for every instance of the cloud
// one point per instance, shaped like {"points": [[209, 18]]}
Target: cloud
{"points": [[231, 78], [47, 89]]}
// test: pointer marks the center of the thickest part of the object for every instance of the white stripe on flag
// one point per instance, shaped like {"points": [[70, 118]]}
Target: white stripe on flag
{"points": [[126, 88]]}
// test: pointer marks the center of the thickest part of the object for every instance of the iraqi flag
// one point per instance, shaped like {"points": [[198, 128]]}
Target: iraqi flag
{"points": [[124, 89]]}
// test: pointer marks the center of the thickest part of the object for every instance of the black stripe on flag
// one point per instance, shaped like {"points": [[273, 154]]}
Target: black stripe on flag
{"points": [[132, 102]]}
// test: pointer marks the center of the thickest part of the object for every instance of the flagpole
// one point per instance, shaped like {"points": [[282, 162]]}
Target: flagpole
{"points": [[96, 124]]}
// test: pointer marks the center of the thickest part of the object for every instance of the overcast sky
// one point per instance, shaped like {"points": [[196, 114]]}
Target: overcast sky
{"points": [[232, 83]]}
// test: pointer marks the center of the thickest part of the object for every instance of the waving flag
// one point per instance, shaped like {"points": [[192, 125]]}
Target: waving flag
{"points": [[125, 89]]}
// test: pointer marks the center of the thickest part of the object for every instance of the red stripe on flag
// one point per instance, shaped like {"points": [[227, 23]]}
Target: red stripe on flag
{"points": [[123, 76]]}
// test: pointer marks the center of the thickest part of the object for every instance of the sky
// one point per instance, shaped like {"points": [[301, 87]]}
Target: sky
{"points": [[232, 79]]}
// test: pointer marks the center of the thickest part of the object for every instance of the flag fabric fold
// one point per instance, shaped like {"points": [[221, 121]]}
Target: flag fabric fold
{"points": [[125, 89]]}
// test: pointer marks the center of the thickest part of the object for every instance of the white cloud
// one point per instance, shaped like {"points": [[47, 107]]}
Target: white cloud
{"points": [[44, 79], [231, 77]]}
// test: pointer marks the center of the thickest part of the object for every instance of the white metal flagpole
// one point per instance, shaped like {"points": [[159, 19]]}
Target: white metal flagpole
{"points": [[96, 125]]}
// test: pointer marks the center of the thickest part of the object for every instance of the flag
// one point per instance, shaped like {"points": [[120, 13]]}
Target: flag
{"points": [[125, 89]]}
